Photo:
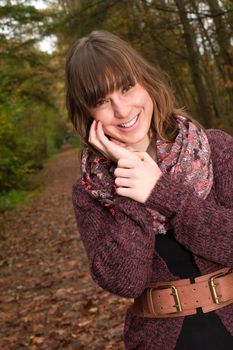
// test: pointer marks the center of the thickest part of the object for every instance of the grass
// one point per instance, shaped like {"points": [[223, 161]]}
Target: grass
{"points": [[21, 196], [11, 199], [32, 186]]}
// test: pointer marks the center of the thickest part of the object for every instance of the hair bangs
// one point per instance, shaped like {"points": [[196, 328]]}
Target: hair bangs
{"points": [[102, 75], [101, 63]]}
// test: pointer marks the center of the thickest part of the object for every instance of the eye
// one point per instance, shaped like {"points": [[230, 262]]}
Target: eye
{"points": [[126, 88], [100, 102]]}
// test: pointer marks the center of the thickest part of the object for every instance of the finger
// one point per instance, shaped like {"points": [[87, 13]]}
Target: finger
{"points": [[122, 172], [130, 148], [141, 155], [124, 191], [100, 133], [127, 163], [93, 139], [144, 156], [117, 142], [92, 131], [123, 182]]}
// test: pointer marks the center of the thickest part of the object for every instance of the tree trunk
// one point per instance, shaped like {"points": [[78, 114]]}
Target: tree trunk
{"points": [[194, 60], [222, 34], [223, 37]]}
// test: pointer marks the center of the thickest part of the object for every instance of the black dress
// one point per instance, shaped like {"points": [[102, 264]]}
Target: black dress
{"points": [[202, 330]]}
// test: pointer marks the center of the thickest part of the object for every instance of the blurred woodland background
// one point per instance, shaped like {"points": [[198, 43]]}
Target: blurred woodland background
{"points": [[192, 40], [48, 300]]}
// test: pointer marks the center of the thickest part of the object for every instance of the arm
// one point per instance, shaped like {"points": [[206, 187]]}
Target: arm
{"points": [[204, 227], [120, 248]]}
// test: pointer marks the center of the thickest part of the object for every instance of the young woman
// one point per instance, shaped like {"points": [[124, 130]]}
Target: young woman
{"points": [[154, 205]]}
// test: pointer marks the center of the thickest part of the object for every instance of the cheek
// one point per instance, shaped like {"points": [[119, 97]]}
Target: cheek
{"points": [[144, 99], [149, 103], [105, 118], [101, 116], [95, 116]]}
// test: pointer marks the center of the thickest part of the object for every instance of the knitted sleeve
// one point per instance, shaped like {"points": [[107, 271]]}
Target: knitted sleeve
{"points": [[204, 227], [119, 248]]}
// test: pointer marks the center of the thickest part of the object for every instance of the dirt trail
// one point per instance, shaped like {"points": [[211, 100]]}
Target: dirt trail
{"points": [[47, 298]]}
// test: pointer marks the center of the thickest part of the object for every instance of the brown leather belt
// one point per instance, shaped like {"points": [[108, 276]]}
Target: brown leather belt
{"points": [[182, 298]]}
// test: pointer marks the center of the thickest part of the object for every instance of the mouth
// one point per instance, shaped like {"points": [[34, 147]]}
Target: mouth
{"points": [[130, 123]]}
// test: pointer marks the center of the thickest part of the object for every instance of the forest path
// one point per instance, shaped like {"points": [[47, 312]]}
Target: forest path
{"points": [[47, 298]]}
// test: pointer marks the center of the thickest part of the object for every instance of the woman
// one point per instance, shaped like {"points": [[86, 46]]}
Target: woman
{"points": [[154, 204]]}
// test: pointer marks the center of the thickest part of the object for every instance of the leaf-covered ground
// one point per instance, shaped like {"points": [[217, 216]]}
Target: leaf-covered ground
{"points": [[47, 298]]}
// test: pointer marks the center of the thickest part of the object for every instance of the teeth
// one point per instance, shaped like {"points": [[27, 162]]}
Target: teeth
{"points": [[130, 123]]}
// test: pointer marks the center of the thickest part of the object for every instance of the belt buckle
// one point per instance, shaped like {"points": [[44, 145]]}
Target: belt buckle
{"points": [[213, 285], [175, 296]]}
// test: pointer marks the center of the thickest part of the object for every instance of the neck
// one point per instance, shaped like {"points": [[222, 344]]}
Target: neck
{"points": [[145, 144], [151, 150]]}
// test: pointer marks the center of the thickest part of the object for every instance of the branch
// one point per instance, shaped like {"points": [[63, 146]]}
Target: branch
{"points": [[204, 14]]}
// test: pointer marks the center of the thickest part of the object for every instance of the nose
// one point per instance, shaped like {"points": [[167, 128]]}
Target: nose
{"points": [[121, 107]]}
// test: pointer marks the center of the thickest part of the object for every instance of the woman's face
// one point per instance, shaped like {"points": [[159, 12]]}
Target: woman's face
{"points": [[126, 116]]}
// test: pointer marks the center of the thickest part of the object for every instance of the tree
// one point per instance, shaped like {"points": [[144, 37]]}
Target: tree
{"points": [[31, 120]]}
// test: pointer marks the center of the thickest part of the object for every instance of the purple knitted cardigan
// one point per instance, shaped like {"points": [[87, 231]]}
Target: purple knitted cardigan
{"points": [[121, 249]]}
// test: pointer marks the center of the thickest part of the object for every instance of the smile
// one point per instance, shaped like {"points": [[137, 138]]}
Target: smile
{"points": [[130, 123]]}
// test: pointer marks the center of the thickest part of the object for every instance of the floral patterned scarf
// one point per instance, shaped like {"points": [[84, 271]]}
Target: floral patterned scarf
{"points": [[187, 160]]}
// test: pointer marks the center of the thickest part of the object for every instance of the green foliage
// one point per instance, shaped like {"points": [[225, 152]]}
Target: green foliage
{"points": [[156, 28], [32, 122], [11, 199], [13, 165]]}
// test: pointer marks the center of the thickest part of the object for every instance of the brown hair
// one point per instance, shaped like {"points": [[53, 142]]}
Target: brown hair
{"points": [[102, 62]]}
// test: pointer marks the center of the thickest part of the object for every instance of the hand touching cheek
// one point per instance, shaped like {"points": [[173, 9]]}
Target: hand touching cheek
{"points": [[136, 178], [111, 149]]}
